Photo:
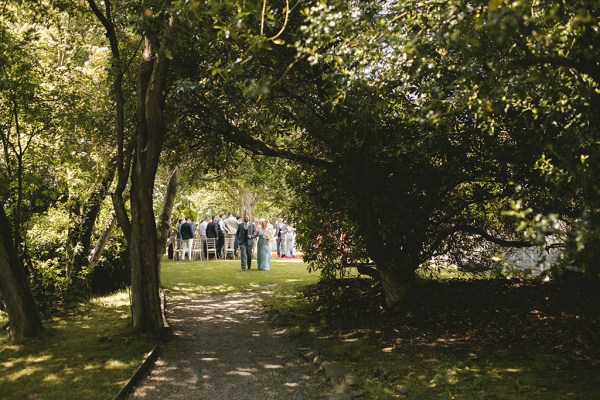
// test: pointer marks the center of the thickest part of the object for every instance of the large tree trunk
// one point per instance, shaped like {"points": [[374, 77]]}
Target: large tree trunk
{"points": [[22, 312], [396, 268], [140, 231], [164, 219], [147, 315], [248, 201], [394, 286]]}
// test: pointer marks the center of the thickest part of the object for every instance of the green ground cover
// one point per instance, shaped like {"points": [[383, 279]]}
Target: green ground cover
{"points": [[89, 353], [454, 348]]}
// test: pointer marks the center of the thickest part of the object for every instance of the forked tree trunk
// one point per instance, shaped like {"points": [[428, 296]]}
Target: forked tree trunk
{"points": [[140, 231], [94, 257], [22, 312], [78, 286], [164, 219]]}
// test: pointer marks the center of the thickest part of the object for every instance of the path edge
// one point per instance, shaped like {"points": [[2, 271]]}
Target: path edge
{"points": [[150, 359], [139, 373]]}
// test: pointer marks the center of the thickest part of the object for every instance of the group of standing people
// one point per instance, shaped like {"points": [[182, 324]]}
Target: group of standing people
{"points": [[284, 237], [281, 236]]}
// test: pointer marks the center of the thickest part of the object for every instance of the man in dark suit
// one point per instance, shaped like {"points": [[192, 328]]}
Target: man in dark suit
{"points": [[246, 232], [212, 230], [187, 238]]}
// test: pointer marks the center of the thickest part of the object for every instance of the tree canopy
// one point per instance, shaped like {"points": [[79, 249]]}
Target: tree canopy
{"points": [[392, 132]]}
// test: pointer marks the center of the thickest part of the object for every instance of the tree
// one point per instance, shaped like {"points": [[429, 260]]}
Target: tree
{"points": [[137, 161], [390, 108], [14, 286]]}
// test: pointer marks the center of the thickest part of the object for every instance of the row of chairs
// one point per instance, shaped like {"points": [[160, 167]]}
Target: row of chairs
{"points": [[210, 246]]}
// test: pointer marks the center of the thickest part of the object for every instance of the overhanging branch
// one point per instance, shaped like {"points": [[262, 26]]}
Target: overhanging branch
{"points": [[246, 141], [493, 239]]}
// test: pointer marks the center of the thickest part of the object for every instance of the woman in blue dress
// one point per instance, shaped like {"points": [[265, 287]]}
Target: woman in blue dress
{"points": [[263, 249]]}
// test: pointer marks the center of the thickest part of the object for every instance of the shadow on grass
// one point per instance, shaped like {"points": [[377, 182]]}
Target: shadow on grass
{"points": [[454, 340], [88, 354]]}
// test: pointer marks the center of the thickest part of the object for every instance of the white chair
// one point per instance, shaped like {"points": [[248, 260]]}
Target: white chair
{"points": [[228, 247], [211, 247], [197, 253]]}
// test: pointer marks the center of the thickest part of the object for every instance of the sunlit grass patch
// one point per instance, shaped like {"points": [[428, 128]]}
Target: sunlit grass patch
{"points": [[87, 353], [225, 276]]}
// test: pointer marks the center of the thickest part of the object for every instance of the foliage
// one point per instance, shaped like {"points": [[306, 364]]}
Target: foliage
{"points": [[54, 137], [47, 239], [425, 119], [329, 239], [113, 271]]}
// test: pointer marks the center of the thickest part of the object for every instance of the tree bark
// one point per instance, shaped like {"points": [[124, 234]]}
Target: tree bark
{"points": [[146, 310], [22, 312], [247, 201], [95, 254], [143, 158], [164, 220], [394, 286]]}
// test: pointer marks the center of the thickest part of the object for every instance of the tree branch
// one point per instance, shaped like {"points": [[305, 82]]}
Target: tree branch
{"points": [[490, 238], [234, 135]]}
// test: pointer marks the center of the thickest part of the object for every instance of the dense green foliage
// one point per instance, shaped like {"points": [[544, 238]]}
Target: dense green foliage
{"points": [[393, 132], [425, 127]]}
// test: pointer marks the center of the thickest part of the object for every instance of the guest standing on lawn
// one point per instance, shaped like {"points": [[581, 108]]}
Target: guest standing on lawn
{"points": [[245, 235], [263, 250]]}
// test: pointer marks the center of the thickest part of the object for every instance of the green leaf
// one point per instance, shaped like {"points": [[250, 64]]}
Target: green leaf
{"points": [[495, 4]]}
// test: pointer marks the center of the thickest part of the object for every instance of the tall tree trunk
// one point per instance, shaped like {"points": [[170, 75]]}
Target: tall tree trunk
{"points": [[78, 286], [395, 286], [146, 311], [140, 231], [248, 201], [164, 219], [22, 312], [95, 254]]}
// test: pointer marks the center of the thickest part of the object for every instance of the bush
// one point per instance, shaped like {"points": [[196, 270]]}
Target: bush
{"points": [[113, 272]]}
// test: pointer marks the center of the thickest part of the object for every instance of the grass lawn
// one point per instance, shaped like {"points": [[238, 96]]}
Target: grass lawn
{"points": [[225, 276], [91, 353], [87, 354]]}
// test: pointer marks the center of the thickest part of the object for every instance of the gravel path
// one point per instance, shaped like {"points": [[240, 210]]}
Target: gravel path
{"points": [[224, 348]]}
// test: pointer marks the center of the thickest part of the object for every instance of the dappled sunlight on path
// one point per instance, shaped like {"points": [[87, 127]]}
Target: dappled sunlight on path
{"points": [[223, 348]]}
